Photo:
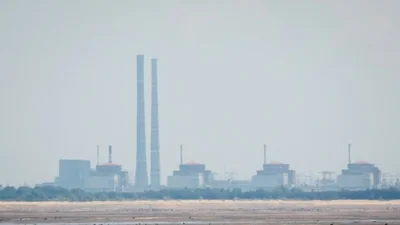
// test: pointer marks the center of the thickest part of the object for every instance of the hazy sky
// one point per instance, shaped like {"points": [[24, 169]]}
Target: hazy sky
{"points": [[304, 77]]}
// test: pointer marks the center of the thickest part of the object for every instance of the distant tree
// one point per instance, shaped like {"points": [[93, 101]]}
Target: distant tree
{"points": [[60, 194], [8, 193]]}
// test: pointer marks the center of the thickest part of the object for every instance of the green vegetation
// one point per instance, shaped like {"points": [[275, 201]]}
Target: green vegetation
{"points": [[60, 194]]}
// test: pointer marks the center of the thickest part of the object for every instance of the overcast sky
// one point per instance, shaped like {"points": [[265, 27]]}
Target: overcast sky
{"points": [[304, 77]]}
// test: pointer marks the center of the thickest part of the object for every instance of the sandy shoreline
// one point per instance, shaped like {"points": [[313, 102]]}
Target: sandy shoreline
{"points": [[202, 212]]}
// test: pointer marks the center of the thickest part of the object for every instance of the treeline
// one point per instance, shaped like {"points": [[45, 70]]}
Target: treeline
{"points": [[49, 193]]}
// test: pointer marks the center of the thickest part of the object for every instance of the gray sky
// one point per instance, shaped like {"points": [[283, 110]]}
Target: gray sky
{"points": [[304, 77]]}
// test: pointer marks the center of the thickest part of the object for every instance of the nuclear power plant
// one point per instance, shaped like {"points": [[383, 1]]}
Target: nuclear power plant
{"points": [[75, 173], [109, 176]]}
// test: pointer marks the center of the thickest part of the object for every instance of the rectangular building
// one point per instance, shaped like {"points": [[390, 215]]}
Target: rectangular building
{"points": [[72, 172], [270, 181], [273, 175], [190, 175], [186, 181], [100, 183], [356, 181]]}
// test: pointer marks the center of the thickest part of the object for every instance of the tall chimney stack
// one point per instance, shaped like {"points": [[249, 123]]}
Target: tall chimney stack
{"points": [[155, 142], [98, 154], [349, 153], [181, 154], [141, 177], [265, 154], [110, 154]]}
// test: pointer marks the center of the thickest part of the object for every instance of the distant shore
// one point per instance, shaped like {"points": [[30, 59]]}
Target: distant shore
{"points": [[207, 201], [50, 193], [202, 212]]}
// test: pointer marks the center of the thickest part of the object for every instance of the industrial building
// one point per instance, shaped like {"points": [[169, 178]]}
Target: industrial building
{"points": [[244, 185], [359, 175], [105, 177], [221, 184], [72, 173], [110, 176], [326, 183], [274, 174], [100, 183], [190, 175]]}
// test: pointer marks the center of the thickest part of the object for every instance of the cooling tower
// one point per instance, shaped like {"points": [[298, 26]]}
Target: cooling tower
{"points": [[155, 146], [141, 178]]}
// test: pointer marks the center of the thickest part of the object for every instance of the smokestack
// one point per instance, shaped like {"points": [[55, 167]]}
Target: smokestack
{"points": [[98, 154], [110, 154], [141, 177], [349, 153], [181, 154], [265, 154], [155, 142]]}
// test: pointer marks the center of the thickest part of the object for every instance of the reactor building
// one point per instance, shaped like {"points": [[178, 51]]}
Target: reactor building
{"points": [[107, 177], [190, 175], [359, 175], [110, 176], [72, 173], [273, 175], [78, 174]]}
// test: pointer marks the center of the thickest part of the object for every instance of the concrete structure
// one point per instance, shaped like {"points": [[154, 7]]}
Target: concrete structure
{"points": [[244, 185], [78, 174], [221, 184], [72, 173], [193, 175], [367, 168], [276, 167], [270, 180], [155, 142], [355, 181], [190, 175], [274, 175], [141, 177], [186, 181], [360, 175], [103, 175], [106, 171], [326, 183], [98, 183], [46, 184]]}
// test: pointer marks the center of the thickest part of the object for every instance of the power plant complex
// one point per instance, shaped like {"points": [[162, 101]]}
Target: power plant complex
{"points": [[111, 177]]}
